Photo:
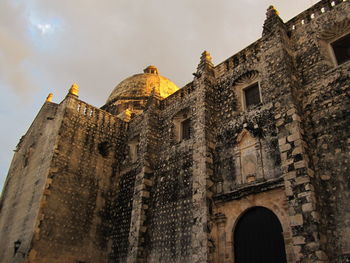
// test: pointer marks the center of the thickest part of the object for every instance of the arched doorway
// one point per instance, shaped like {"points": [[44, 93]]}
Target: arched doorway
{"points": [[258, 238]]}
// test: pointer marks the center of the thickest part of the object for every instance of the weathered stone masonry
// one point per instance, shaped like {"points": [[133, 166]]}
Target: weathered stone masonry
{"points": [[162, 174]]}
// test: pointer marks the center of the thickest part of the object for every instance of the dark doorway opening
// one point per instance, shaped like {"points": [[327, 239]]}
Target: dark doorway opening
{"points": [[258, 238]]}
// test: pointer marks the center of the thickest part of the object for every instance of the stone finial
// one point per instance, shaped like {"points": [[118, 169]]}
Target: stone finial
{"points": [[74, 89], [272, 11], [205, 64], [49, 97], [206, 58], [272, 19], [125, 115]]}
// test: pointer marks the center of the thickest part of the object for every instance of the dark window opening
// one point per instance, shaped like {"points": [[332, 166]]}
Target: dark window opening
{"points": [[341, 49], [186, 129], [235, 61], [103, 148], [26, 161], [16, 244], [252, 95]]}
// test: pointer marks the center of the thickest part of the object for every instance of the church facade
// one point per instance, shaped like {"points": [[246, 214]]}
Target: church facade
{"points": [[249, 162]]}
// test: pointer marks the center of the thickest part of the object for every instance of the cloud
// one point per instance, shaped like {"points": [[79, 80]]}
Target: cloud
{"points": [[45, 46], [14, 49]]}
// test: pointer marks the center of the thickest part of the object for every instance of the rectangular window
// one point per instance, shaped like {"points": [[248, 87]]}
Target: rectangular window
{"points": [[252, 95], [341, 48], [186, 129]]}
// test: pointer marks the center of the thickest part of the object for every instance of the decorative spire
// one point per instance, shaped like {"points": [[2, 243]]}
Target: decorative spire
{"points": [[272, 11], [272, 19], [206, 58], [49, 97], [125, 115], [205, 64], [74, 89]]}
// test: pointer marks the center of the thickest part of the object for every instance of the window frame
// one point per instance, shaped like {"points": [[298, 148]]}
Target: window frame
{"points": [[185, 135], [244, 100], [331, 48], [178, 121]]}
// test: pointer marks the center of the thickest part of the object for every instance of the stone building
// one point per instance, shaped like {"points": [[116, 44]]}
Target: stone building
{"points": [[247, 163]]}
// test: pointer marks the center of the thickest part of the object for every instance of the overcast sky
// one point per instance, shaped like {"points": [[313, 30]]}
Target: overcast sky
{"points": [[46, 45]]}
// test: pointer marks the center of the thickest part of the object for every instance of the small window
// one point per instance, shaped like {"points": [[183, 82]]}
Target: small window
{"points": [[341, 48], [186, 129], [252, 95], [103, 148], [17, 245]]}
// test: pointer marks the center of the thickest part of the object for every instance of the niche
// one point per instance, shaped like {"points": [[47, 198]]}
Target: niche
{"points": [[133, 149], [248, 158], [16, 245], [103, 148]]}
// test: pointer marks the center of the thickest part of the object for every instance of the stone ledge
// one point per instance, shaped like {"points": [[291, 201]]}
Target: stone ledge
{"points": [[255, 188]]}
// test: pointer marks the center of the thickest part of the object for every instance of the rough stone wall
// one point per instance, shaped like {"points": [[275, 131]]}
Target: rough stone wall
{"points": [[122, 208], [170, 214], [326, 106], [169, 217], [75, 216], [122, 203], [25, 184], [302, 120], [147, 128]]}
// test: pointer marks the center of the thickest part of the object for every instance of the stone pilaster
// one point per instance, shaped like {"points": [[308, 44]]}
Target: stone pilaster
{"points": [[142, 189], [138, 216], [298, 176], [202, 247], [220, 220]]}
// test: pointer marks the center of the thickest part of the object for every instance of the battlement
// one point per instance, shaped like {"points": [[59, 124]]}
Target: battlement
{"points": [[312, 13]]}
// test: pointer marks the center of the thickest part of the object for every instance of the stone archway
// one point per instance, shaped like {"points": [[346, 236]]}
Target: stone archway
{"points": [[258, 237]]}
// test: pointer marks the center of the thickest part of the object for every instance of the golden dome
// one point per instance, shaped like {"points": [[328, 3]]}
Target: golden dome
{"points": [[143, 85]]}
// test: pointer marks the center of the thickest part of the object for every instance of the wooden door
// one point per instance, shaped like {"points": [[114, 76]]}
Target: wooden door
{"points": [[258, 238]]}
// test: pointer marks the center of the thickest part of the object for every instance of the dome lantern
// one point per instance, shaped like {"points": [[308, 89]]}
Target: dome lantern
{"points": [[133, 92], [151, 70]]}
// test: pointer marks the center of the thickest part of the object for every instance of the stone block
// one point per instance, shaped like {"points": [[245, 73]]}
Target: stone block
{"points": [[308, 207], [277, 116], [282, 141], [145, 194], [296, 117], [300, 164], [290, 175], [302, 180], [280, 122], [299, 240], [296, 220], [297, 150], [321, 255], [290, 112], [285, 147], [293, 137], [147, 182]]}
